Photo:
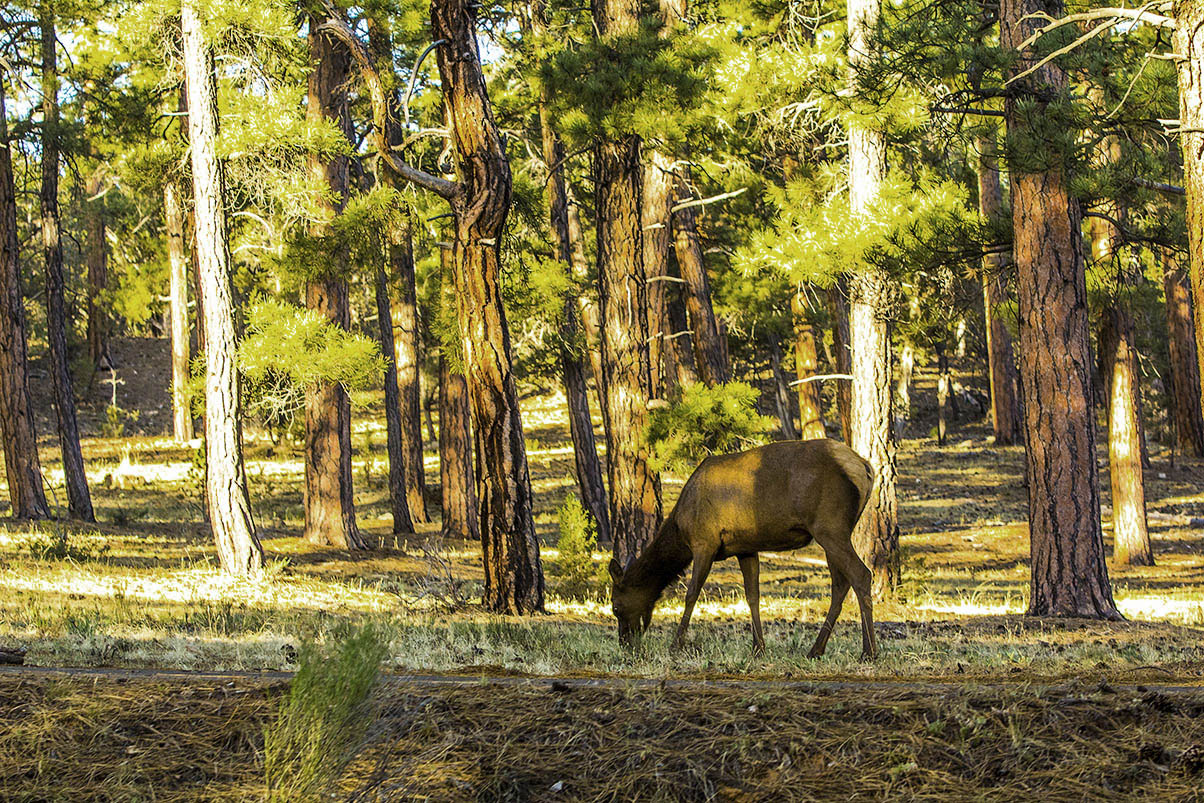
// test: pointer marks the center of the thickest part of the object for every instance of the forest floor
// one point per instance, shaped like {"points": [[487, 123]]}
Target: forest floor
{"points": [[141, 589]]}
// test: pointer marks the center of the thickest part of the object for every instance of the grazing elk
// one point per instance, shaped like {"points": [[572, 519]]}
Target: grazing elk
{"points": [[773, 498]]}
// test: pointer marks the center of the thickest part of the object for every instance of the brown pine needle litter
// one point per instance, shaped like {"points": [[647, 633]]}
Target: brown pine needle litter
{"points": [[106, 739]]}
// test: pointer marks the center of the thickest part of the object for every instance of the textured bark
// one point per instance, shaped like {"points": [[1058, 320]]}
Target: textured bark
{"points": [[398, 504], [1189, 48], [877, 534], [514, 581], [1069, 575], [710, 348], [97, 256], [79, 500], [21, 461], [228, 504], [329, 497], [1118, 358], [658, 240], [838, 311], [181, 416], [459, 493], [572, 348], [806, 364], [407, 344], [781, 387], [1001, 359], [683, 339], [623, 295], [1185, 373]]}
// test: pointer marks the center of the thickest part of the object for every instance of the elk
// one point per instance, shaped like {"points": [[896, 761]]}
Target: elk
{"points": [[774, 498]]}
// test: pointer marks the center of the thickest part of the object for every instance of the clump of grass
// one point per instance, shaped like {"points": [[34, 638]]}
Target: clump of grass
{"points": [[57, 546], [323, 722], [579, 576]]}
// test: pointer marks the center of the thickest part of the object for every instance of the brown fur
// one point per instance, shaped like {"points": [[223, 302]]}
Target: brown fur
{"points": [[774, 498]]}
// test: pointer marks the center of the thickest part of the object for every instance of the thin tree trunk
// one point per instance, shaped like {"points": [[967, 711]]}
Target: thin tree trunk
{"points": [[782, 396], [1185, 375], [459, 492], [658, 240], [806, 365], [393, 425], [710, 350], [877, 534], [1188, 40], [943, 386], [329, 496], [838, 311], [1069, 575], [623, 295], [97, 256], [682, 338], [178, 312], [514, 581], [79, 500], [229, 505], [907, 365], [407, 342], [572, 345]]}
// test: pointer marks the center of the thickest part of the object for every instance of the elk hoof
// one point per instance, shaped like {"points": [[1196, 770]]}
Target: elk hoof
{"points": [[869, 657], [758, 650]]}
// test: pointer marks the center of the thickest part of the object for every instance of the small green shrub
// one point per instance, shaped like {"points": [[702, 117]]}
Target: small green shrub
{"points": [[703, 421], [56, 546], [115, 420], [579, 576], [322, 723]]}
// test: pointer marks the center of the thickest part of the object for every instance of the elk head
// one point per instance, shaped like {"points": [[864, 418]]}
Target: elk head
{"points": [[632, 607]]}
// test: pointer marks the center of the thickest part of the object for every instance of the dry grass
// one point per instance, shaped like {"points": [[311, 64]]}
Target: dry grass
{"points": [[81, 739]]}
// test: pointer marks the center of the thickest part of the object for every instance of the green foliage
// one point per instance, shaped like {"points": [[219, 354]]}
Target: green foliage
{"points": [[288, 350], [580, 577], [705, 420], [322, 723], [59, 546]]}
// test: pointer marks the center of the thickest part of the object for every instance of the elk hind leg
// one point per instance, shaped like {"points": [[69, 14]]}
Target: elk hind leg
{"points": [[840, 588], [843, 558], [750, 567]]}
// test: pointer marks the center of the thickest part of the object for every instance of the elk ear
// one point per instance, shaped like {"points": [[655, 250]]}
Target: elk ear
{"points": [[616, 571]]}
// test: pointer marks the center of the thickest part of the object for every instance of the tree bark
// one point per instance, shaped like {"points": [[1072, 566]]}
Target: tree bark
{"points": [[1069, 575], [79, 500], [1188, 42], [877, 534], [838, 311], [459, 493], [398, 503], [806, 364], [944, 384], [635, 497], [658, 239], [781, 391], [1001, 359], [572, 342], [710, 348], [229, 505], [178, 312], [21, 462], [514, 581], [1185, 374], [329, 496], [907, 365]]}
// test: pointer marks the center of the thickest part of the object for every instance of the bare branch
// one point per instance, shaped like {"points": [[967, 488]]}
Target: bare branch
{"points": [[701, 201]]}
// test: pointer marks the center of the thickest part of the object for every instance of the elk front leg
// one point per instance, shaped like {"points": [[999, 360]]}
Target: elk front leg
{"points": [[750, 567], [701, 568]]}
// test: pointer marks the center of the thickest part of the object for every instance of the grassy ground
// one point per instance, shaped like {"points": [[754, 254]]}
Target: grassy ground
{"points": [[122, 740], [142, 589]]}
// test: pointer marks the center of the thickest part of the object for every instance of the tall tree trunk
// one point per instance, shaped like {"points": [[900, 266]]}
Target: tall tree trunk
{"points": [[21, 462], [622, 290], [1069, 576], [710, 350], [572, 345], [944, 384], [907, 366], [79, 500], [682, 338], [1185, 373], [229, 505], [1001, 360], [806, 365], [1188, 41], [398, 504], [97, 257], [781, 389], [838, 311], [514, 581], [181, 415], [459, 492], [657, 226], [877, 533], [329, 496]]}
